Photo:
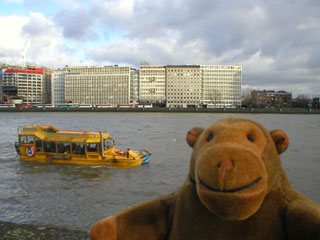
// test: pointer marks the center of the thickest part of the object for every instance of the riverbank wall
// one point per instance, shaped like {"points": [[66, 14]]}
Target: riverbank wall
{"points": [[168, 110], [15, 231]]}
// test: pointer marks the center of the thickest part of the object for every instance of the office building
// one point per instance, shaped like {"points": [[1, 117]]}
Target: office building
{"points": [[183, 86], [98, 85], [57, 86], [152, 85], [221, 86], [23, 83]]}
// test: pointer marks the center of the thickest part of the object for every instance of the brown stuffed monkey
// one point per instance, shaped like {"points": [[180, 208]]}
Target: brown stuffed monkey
{"points": [[236, 189]]}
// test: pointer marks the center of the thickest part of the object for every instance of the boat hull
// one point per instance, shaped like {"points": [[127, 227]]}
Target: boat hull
{"points": [[113, 159]]}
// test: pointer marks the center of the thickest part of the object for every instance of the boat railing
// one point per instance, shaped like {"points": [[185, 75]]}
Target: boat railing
{"points": [[20, 129]]}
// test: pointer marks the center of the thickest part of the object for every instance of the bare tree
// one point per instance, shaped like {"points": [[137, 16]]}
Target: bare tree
{"points": [[214, 96], [246, 97]]}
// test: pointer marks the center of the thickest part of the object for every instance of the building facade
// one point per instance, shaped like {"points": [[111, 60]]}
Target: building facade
{"points": [[152, 85], [47, 75], [221, 86], [98, 85], [23, 83], [57, 87], [271, 98], [134, 86], [183, 86]]}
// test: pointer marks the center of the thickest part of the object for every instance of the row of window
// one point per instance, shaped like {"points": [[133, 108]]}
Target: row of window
{"points": [[183, 93], [176, 91], [183, 97], [98, 71], [65, 147], [97, 78], [194, 102], [184, 70], [229, 74], [220, 98]]}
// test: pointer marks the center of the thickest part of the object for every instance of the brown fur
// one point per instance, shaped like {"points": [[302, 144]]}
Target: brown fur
{"points": [[236, 189]]}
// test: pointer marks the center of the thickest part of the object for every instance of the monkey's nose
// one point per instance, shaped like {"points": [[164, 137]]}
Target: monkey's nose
{"points": [[223, 166]]}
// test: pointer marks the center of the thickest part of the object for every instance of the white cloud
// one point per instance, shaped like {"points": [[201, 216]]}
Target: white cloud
{"points": [[258, 64], [11, 41], [46, 48], [68, 3], [122, 9]]}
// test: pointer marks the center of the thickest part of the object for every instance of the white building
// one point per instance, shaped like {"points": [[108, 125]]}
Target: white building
{"points": [[183, 86], [221, 86], [57, 86], [98, 85], [152, 84], [210, 86]]}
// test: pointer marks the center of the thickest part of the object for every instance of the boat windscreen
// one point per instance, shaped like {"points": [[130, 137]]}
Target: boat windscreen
{"points": [[49, 130]]}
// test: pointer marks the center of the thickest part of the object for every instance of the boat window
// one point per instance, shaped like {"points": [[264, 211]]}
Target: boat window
{"points": [[107, 143], [92, 147], [49, 147], [64, 148], [39, 147], [50, 130], [78, 148], [27, 139]]}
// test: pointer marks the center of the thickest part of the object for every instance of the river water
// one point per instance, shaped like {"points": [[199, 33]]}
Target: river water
{"points": [[75, 196]]}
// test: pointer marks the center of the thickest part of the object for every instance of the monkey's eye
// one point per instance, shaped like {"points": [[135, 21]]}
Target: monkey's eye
{"points": [[250, 138], [210, 137]]}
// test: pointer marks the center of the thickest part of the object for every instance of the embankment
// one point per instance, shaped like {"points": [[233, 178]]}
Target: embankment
{"points": [[168, 110]]}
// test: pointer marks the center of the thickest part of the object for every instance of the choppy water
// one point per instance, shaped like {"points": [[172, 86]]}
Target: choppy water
{"points": [[77, 196]]}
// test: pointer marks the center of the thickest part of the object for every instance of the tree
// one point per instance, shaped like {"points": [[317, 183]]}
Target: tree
{"points": [[214, 96], [246, 97]]}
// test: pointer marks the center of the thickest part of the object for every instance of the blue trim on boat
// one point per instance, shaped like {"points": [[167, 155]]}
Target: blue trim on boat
{"points": [[146, 159]]}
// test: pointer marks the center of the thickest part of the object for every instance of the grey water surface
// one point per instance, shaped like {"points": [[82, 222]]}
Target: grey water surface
{"points": [[75, 197]]}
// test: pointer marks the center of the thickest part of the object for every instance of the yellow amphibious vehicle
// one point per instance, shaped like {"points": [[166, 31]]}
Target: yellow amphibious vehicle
{"points": [[48, 144]]}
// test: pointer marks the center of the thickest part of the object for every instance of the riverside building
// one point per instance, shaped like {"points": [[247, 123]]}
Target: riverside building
{"points": [[183, 86], [23, 83], [271, 98], [152, 85], [221, 86], [134, 86], [57, 86], [47, 78], [98, 85]]}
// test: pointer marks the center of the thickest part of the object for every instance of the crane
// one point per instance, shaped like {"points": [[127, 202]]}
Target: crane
{"points": [[24, 53]]}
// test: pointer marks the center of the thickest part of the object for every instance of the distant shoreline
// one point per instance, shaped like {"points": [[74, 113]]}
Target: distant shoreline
{"points": [[167, 110]]}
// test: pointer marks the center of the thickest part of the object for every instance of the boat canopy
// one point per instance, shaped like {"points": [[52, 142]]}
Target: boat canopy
{"points": [[49, 133]]}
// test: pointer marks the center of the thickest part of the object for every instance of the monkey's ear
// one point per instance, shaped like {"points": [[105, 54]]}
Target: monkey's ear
{"points": [[193, 134], [280, 139]]}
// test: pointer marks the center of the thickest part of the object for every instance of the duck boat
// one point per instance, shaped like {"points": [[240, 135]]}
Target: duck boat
{"points": [[44, 143]]}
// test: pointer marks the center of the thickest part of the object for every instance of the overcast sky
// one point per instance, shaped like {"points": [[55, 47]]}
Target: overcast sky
{"points": [[276, 42]]}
